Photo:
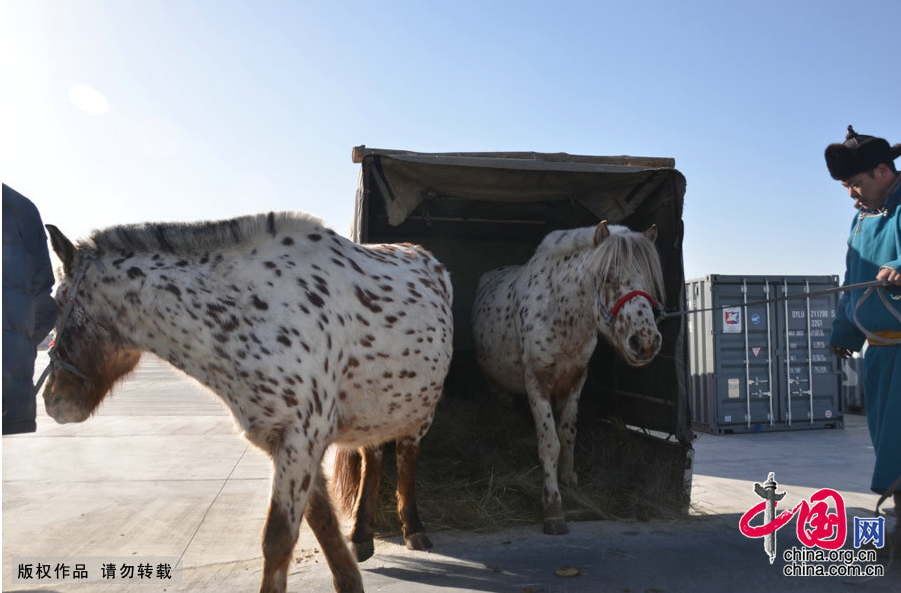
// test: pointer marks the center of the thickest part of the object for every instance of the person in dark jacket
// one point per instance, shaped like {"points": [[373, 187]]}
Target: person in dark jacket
{"points": [[29, 311]]}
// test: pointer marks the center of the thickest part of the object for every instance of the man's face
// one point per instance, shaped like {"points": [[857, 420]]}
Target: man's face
{"points": [[867, 189]]}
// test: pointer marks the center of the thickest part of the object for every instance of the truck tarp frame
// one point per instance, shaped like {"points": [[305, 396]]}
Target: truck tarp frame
{"points": [[476, 211]]}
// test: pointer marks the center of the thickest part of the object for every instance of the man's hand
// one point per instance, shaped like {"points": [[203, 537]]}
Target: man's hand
{"points": [[840, 352], [889, 274]]}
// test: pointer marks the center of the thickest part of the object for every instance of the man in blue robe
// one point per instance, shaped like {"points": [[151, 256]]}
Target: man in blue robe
{"points": [[865, 166]]}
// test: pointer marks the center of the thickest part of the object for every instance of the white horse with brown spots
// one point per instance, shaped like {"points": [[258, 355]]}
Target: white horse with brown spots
{"points": [[308, 338], [535, 328]]}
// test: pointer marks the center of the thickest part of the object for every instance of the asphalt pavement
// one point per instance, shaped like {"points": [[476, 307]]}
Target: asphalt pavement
{"points": [[157, 492]]}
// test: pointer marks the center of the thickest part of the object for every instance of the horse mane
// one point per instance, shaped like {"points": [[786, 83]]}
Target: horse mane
{"points": [[628, 252], [197, 237]]}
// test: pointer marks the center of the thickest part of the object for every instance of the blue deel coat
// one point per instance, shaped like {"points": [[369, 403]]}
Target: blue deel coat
{"points": [[29, 310], [875, 242]]}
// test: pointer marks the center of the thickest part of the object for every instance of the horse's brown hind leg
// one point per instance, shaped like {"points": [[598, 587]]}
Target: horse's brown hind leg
{"points": [[322, 520], [277, 545], [290, 490], [414, 531], [297, 481], [362, 532]]}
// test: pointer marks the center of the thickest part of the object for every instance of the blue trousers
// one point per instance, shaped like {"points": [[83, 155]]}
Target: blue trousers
{"points": [[882, 391]]}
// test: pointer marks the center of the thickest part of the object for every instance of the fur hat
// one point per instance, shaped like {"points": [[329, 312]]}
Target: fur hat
{"points": [[858, 153]]}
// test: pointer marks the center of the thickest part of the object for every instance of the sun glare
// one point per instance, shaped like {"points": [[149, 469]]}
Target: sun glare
{"points": [[88, 100]]}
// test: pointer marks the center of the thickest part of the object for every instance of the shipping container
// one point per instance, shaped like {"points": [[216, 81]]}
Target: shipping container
{"points": [[762, 366]]}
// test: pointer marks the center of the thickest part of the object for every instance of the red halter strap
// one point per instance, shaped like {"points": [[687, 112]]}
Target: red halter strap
{"points": [[628, 297]]}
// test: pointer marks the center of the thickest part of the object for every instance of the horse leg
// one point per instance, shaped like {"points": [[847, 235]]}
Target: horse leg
{"points": [[286, 505], [296, 465], [407, 511], [322, 520], [567, 411], [362, 532], [548, 453]]}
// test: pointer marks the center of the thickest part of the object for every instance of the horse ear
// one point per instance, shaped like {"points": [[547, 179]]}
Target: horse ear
{"points": [[651, 233], [62, 246], [601, 232]]}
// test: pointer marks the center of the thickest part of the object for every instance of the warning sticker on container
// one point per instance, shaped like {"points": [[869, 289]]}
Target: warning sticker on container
{"points": [[732, 320]]}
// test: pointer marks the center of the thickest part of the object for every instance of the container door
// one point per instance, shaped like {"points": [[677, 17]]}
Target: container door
{"points": [[762, 360], [744, 373], [809, 378]]}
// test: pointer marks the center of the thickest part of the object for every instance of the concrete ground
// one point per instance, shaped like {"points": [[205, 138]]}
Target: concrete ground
{"points": [[159, 477]]}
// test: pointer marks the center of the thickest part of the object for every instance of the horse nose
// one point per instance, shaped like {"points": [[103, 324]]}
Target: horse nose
{"points": [[644, 349], [635, 344]]}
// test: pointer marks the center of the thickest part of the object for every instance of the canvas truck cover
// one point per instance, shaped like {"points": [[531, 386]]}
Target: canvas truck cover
{"points": [[478, 211]]}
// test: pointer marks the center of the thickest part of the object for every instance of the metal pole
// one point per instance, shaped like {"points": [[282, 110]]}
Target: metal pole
{"points": [[809, 353], [744, 290], [788, 363], [769, 353]]}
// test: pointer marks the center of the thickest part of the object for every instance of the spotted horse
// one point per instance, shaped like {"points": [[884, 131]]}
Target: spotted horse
{"points": [[535, 328], [308, 338]]}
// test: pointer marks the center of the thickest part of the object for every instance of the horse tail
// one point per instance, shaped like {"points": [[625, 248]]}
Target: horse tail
{"points": [[346, 478]]}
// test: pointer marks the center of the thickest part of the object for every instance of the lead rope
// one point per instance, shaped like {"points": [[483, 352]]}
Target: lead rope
{"points": [[803, 295], [875, 338], [871, 286]]}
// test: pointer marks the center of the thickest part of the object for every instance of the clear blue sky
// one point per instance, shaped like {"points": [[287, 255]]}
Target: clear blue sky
{"points": [[131, 111]]}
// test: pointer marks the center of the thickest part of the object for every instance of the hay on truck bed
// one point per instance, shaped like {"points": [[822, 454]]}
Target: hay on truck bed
{"points": [[479, 469]]}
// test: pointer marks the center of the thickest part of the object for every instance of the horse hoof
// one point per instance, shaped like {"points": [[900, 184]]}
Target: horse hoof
{"points": [[555, 526], [418, 541], [363, 550], [348, 583]]}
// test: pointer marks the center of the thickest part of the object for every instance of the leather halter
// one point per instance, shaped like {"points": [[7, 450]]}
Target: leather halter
{"points": [[55, 360]]}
